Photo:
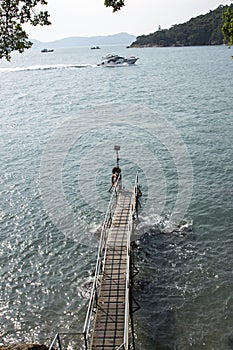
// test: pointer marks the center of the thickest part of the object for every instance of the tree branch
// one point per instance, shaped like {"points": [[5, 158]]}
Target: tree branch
{"points": [[115, 4]]}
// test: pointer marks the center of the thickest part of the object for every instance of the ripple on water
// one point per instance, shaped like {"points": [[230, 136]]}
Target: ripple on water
{"points": [[185, 282]]}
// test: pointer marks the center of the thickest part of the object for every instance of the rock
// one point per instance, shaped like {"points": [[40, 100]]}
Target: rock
{"points": [[24, 347]]}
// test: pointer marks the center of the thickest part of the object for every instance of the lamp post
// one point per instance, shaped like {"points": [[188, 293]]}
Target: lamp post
{"points": [[117, 149]]}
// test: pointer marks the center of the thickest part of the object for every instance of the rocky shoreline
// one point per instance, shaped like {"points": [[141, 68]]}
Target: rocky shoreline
{"points": [[22, 346]]}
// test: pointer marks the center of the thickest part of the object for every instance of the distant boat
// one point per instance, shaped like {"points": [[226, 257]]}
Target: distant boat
{"points": [[47, 50], [95, 47]]}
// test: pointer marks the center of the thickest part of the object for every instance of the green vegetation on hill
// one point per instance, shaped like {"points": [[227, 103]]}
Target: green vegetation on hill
{"points": [[201, 30], [227, 28]]}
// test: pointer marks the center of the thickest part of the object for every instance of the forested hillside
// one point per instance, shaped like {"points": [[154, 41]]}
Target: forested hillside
{"points": [[200, 30]]}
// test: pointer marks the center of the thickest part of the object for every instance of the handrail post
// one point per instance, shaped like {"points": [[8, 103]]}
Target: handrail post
{"points": [[85, 341], [59, 341]]}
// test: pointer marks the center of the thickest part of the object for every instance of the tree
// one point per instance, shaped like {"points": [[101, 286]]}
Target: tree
{"points": [[14, 13], [227, 27]]}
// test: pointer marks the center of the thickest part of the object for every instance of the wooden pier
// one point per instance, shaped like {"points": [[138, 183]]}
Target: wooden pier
{"points": [[112, 312]]}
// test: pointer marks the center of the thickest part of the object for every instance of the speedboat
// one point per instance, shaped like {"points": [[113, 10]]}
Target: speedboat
{"points": [[115, 60]]}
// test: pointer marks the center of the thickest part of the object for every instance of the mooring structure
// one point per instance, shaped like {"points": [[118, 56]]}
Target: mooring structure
{"points": [[109, 322]]}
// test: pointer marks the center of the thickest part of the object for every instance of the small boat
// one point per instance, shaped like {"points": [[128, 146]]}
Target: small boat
{"points": [[115, 60], [47, 50], [95, 47]]}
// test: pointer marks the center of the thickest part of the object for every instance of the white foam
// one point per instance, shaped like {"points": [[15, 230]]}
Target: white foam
{"points": [[161, 224], [44, 67]]}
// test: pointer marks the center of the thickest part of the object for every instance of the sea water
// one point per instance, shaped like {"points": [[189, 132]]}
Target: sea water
{"points": [[60, 117]]}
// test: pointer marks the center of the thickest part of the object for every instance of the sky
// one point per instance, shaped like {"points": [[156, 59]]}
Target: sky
{"points": [[91, 18]]}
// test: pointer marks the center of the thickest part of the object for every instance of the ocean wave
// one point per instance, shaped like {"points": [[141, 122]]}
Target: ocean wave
{"points": [[45, 67]]}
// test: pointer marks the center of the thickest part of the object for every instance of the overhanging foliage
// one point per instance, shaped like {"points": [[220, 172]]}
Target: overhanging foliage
{"points": [[115, 4], [13, 14]]}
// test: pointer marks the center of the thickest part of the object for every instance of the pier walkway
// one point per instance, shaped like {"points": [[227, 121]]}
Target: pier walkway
{"points": [[109, 305], [111, 321], [107, 323]]}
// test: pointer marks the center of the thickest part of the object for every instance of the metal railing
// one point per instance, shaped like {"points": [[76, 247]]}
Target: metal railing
{"points": [[57, 340], [121, 347], [127, 286]]}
